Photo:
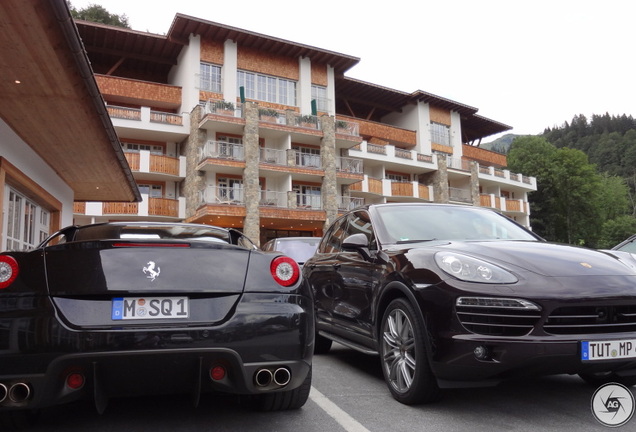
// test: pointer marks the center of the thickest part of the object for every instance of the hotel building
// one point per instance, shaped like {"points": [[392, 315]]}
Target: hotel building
{"points": [[229, 127]]}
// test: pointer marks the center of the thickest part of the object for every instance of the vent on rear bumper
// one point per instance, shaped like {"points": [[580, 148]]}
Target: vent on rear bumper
{"points": [[497, 317], [591, 320]]}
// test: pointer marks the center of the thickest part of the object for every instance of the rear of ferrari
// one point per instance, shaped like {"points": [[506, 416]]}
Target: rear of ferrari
{"points": [[143, 315]]}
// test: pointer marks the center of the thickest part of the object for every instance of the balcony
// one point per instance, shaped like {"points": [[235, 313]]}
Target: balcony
{"points": [[459, 195], [349, 165], [392, 157], [162, 207], [222, 195], [154, 94], [148, 124], [506, 205], [149, 208], [346, 203], [221, 150], [147, 162], [500, 175]]}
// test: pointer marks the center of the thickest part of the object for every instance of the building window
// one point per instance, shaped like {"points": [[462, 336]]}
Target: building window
{"points": [[27, 223], [308, 196], [230, 189], [210, 78], [267, 88], [319, 94], [131, 147], [152, 190], [398, 177], [307, 156], [440, 134]]}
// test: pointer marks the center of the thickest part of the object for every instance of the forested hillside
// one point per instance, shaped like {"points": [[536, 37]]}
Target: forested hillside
{"points": [[608, 141], [586, 179]]}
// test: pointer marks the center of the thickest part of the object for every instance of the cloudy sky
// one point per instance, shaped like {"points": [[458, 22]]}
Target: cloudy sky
{"points": [[527, 64]]}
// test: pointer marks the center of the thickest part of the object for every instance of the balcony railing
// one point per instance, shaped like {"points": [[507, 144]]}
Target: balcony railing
{"points": [[349, 165], [273, 156], [376, 148], [223, 108], [163, 207], [221, 150], [349, 203], [124, 112], [399, 188], [459, 195], [306, 121], [347, 128], [222, 195], [164, 117], [273, 198], [308, 160], [158, 163], [308, 201], [120, 208], [271, 115]]}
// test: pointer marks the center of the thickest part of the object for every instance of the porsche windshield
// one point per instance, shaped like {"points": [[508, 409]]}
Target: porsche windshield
{"points": [[408, 224]]}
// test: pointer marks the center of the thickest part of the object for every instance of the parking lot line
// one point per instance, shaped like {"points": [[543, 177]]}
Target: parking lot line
{"points": [[345, 420]]}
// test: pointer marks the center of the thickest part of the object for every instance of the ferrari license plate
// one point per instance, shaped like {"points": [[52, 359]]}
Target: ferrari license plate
{"points": [[139, 308], [608, 350]]}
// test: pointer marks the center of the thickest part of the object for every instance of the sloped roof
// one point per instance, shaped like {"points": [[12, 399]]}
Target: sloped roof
{"points": [[49, 97]]}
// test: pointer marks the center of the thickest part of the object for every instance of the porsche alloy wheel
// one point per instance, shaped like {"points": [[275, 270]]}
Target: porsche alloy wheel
{"points": [[404, 360]]}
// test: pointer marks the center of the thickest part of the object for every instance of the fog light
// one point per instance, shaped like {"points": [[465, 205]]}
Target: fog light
{"points": [[75, 381], [481, 352], [217, 373]]}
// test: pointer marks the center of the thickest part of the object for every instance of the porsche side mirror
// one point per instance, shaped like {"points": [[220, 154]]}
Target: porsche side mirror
{"points": [[359, 243]]}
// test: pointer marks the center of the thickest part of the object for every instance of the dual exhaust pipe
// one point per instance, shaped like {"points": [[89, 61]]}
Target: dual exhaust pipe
{"points": [[265, 377], [17, 393]]}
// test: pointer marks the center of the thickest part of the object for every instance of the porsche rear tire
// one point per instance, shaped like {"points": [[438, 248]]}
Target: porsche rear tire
{"points": [[322, 345], [403, 354]]}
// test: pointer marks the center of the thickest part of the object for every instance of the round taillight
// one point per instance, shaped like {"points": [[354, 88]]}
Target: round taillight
{"points": [[217, 373], [285, 271], [8, 270], [75, 381]]}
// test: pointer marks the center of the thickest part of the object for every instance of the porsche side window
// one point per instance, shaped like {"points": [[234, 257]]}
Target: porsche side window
{"points": [[332, 241], [360, 223]]}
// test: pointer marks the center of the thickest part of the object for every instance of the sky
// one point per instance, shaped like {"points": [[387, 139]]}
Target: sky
{"points": [[527, 64]]}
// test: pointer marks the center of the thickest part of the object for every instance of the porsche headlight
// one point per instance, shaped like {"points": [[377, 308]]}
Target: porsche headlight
{"points": [[471, 269]]}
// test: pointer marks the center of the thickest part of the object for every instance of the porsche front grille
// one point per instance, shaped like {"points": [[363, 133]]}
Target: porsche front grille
{"points": [[497, 321], [591, 320]]}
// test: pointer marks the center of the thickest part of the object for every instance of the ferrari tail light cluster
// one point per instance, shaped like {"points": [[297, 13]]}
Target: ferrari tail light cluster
{"points": [[9, 270], [285, 271]]}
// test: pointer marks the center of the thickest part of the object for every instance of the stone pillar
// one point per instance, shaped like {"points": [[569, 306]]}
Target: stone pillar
{"points": [[440, 181], [194, 183], [329, 182], [251, 187], [474, 184]]}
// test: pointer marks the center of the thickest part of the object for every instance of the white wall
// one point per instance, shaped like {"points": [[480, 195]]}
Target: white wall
{"points": [[20, 155], [186, 74]]}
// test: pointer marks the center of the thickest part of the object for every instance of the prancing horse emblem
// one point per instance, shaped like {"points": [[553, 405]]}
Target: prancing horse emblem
{"points": [[150, 271]]}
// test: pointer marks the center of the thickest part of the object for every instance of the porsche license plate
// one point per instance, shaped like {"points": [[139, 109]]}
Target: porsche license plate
{"points": [[608, 350], [139, 308]]}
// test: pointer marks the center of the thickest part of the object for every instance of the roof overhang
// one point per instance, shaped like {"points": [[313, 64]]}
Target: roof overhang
{"points": [[184, 25], [49, 97]]}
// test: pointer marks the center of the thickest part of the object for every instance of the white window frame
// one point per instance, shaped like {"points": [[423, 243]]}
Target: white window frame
{"points": [[26, 224], [210, 77], [319, 94], [267, 88], [153, 190], [440, 134]]}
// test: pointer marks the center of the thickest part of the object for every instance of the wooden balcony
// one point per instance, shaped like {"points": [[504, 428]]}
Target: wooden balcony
{"points": [[158, 163], [404, 189]]}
